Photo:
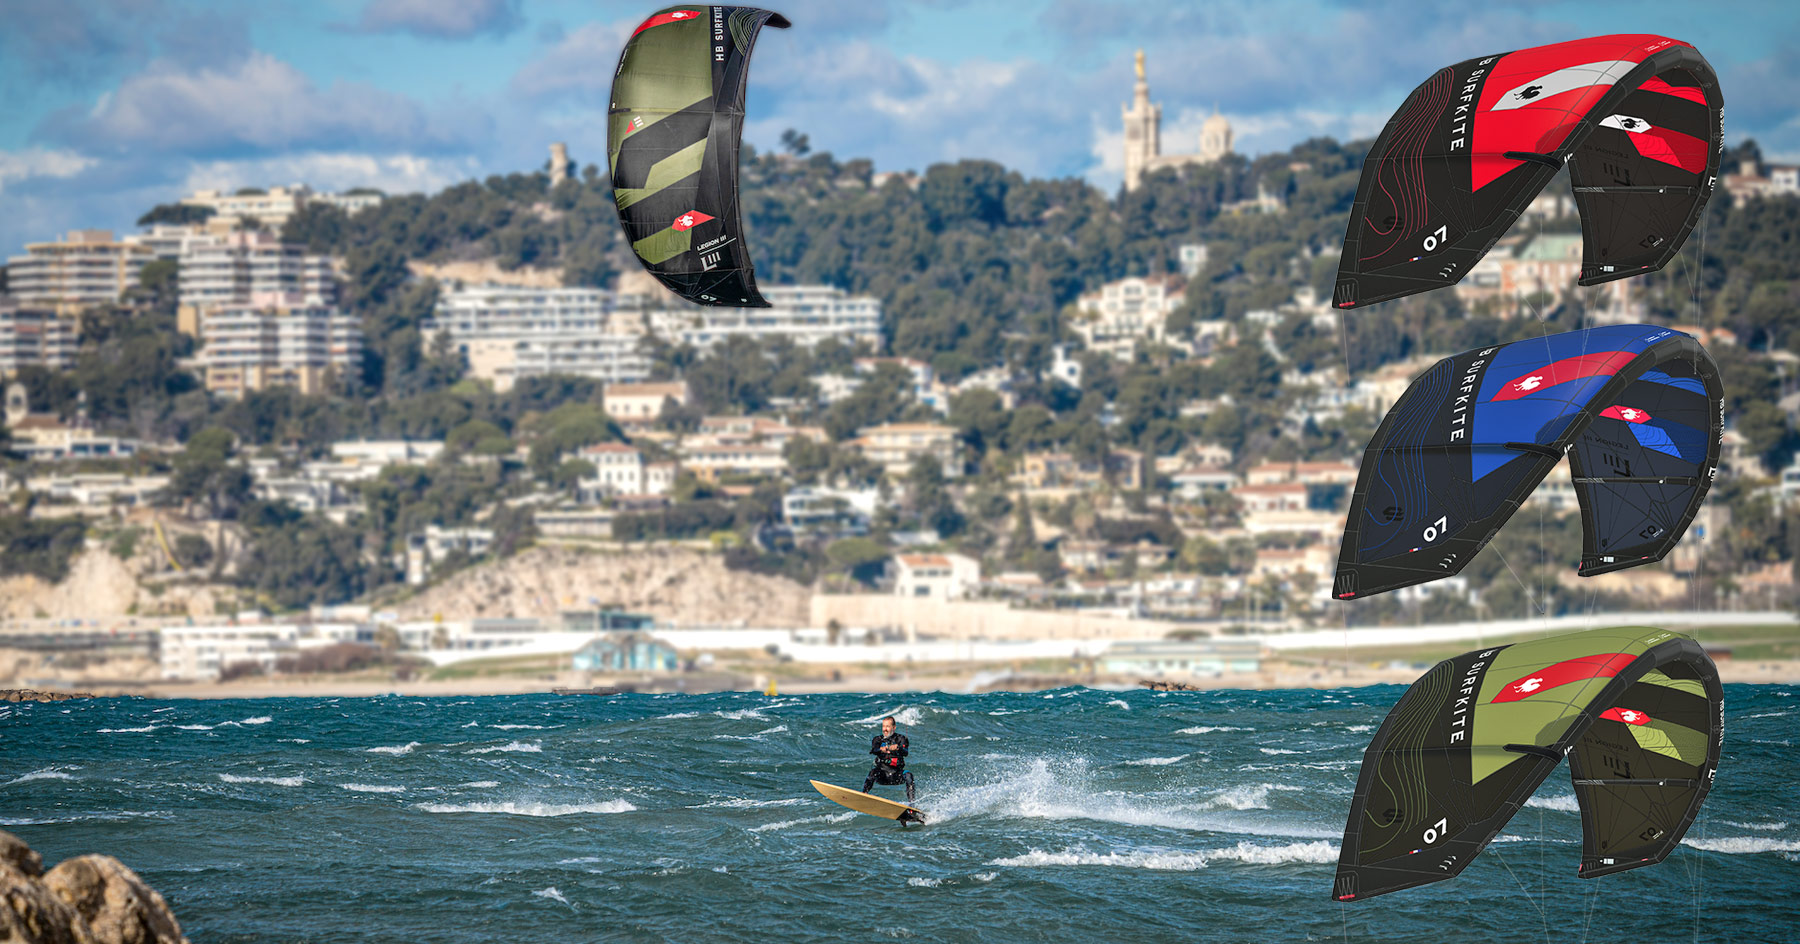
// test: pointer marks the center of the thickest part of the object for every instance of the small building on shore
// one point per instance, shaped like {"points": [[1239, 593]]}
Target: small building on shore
{"points": [[626, 652]]}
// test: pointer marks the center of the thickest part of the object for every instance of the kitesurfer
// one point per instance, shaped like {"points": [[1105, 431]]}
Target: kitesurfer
{"points": [[889, 748]]}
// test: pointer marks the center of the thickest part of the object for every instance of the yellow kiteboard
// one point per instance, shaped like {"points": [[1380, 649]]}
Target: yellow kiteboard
{"points": [[869, 803]]}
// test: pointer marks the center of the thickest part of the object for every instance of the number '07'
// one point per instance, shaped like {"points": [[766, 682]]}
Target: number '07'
{"points": [[1437, 529], [1437, 238], [1438, 831]]}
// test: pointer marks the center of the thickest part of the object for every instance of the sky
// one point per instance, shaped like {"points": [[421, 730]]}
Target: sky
{"points": [[113, 106]]}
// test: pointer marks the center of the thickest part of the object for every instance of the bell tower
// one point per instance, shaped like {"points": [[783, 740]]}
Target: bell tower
{"points": [[1143, 129]]}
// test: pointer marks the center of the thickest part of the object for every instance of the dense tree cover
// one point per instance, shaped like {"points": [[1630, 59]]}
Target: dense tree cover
{"points": [[40, 547]]}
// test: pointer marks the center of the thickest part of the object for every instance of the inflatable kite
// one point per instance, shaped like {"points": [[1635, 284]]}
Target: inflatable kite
{"points": [[1637, 410], [1637, 711], [672, 140], [1635, 118]]}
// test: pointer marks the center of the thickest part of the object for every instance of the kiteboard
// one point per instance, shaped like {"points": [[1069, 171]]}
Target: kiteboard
{"points": [[869, 803]]}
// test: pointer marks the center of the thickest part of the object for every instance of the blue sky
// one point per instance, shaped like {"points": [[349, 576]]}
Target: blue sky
{"points": [[116, 105]]}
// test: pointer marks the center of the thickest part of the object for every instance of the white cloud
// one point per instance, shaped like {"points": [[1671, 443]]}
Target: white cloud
{"points": [[258, 103], [580, 62], [40, 162], [393, 173]]}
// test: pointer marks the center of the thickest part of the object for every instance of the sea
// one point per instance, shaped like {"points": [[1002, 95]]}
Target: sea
{"points": [[1063, 816]]}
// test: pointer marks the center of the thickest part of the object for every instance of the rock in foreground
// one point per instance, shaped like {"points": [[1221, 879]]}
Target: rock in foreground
{"points": [[90, 899]]}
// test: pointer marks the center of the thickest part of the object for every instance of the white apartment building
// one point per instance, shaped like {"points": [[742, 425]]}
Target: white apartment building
{"points": [[896, 446], [35, 337], [250, 348], [804, 314], [712, 460], [200, 653], [250, 269], [505, 332], [934, 576], [98, 489], [1125, 314], [87, 267]]}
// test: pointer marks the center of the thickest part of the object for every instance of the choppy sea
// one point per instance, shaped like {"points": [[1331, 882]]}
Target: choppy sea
{"points": [[1064, 816]]}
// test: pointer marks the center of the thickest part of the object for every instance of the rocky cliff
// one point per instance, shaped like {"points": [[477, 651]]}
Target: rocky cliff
{"points": [[90, 899], [669, 583]]}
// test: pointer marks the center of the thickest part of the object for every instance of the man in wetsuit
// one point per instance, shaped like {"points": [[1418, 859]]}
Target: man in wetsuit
{"points": [[889, 748]]}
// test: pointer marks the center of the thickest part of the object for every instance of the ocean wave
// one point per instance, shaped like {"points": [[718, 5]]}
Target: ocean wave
{"points": [[1253, 796], [551, 893], [296, 741], [406, 748], [679, 715], [194, 727], [742, 714], [1360, 728], [744, 803], [1744, 845], [1120, 702], [530, 809], [524, 727], [985, 876], [789, 823], [372, 788], [473, 724], [1278, 750], [1771, 827], [1157, 761], [1769, 714], [480, 784], [259, 719], [918, 882], [277, 781], [905, 716], [1209, 729], [54, 772], [515, 747], [1565, 803], [147, 727]]}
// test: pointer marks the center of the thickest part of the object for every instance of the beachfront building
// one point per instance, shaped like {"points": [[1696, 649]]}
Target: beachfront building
{"points": [[505, 332], [1199, 658], [87, 267], [803, 314], [640, 405], [1126, 314], [896, 446], [203, 653], [250, 269], [626, 652], [248, 348], [934, 576], [35, 337]]}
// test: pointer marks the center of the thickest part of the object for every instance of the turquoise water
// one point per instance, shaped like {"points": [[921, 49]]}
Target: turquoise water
{"points": [[1065, 816]]}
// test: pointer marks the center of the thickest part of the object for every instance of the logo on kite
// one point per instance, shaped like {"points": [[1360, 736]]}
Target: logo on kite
{"points": [[1626, 715], [1528, 383], [1529, 685], [689, 220], [1629, 414], [1530, 92]]}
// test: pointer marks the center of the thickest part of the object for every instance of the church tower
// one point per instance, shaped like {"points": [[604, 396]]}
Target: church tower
{"points": [[1143, 129], [1215, 137]]}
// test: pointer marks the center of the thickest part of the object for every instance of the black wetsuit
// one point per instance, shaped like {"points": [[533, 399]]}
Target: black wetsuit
{"points": [[890, 768]]}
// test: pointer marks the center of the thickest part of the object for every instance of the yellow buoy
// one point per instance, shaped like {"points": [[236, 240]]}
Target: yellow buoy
{"points": [[770, 691]]}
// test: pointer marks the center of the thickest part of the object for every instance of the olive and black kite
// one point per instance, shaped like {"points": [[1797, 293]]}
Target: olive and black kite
{"points": [[672, 138], [1636, 710], [1637, 410], [1635, 118]]}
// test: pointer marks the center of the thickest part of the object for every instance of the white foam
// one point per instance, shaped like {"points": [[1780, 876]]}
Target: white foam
{"points": [[296, 741], [985, 876], [148, 727], [1319, 852], [677, 716], [1744, 845], [1208, 729], [406, 748], [194, 727], [1565, 803], [1360, 728], [530, 809], [743, 803], [515, 747], [277, 781], [372, 788], [551, 893], [1769, 714], [1771, 827], [1121, 703], [789, 823], [260, 719], [524, 727], [480, 784], [473, 724], [1278, 750], [1254, 796], [1157, 761], [742, 714], [580, 860], [918, 882], [778, 729], [55, 772]]}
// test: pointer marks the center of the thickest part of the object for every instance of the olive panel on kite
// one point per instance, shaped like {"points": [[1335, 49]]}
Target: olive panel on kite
{"points": [[672, 140], [1636, 710], [1635, 118], [1635, 408]]}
